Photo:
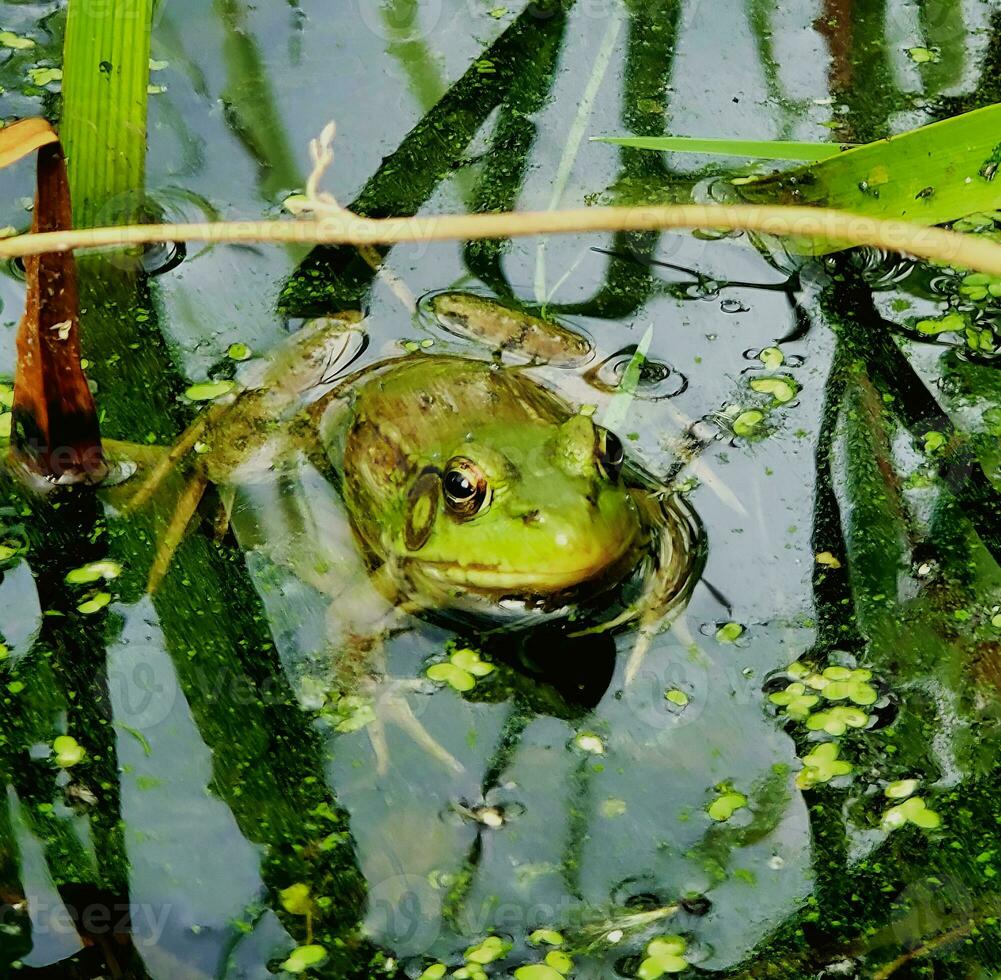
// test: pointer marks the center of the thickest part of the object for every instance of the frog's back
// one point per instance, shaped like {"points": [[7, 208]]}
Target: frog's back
{"points": [[428, 401]]}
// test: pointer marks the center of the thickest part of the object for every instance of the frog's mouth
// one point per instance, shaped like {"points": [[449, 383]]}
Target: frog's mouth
{"points": [[496, 581]]}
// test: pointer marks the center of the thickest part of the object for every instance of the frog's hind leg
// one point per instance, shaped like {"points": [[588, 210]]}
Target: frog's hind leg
{"points": [[172, 457], [174, 533]]}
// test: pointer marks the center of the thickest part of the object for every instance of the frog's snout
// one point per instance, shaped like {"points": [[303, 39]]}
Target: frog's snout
{"points": [[587, 450]]}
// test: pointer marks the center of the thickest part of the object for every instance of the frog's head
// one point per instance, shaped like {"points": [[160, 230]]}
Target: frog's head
{"points": [[520, 510]]}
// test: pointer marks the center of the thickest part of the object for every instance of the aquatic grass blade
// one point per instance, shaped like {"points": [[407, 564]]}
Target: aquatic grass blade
{"points": [[105, 79], [618, 409], [760, 149]]}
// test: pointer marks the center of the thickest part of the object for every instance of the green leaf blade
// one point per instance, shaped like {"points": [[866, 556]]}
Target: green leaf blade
{"points": [[760, 149]]}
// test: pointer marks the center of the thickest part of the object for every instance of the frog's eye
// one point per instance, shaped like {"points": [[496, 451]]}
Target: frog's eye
{"points": [[466, 490], [609, 451]]}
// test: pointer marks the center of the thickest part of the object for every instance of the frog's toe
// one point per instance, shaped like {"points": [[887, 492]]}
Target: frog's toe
{"points": [[408, 721]]}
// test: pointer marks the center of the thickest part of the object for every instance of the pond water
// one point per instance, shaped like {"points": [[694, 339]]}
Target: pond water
{"points": [[782, 821]]}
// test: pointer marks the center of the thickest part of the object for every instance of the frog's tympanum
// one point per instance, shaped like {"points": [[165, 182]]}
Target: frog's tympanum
{"points": [[476, 490]]}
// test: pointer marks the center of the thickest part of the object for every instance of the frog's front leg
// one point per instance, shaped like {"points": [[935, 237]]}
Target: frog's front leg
{"points": [[303, 552], [358, 647], [249, 430]]}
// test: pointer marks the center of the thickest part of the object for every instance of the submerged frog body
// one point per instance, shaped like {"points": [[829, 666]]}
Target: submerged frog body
{"points": [[473, 490]]}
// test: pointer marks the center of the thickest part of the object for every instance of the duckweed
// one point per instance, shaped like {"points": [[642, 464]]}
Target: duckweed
{"points": [[209, 390], [677, 697], [914, 811], [239, 352], [296, 899], [828, 560], [837, 720], [782, 388], [469, 660], [454, 676], [94, 572], [821, 766], [589, 742], [950, 323], [844, 683], [772, 358], [461, 671], [352, 713], [537, 971], [67, 751], [979, 286], [795, 700], [901, 789], [492, 948], [726, 804], [44, 76], [729, 633], [549, 937], [665, 954], [11, 40], [982, 339], [747, 423], [434, 972], [94, 604], [934, 441], [303, 957], [559, 961]]}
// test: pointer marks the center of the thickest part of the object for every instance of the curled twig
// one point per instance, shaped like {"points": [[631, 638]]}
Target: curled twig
{"points": [[345, 228]]}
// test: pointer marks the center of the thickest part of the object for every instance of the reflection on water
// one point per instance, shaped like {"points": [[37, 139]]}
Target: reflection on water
{"points": [[794, 773]]}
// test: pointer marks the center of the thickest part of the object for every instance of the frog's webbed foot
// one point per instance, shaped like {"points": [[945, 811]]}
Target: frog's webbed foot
{"points": [[362, 669], [392, 706]]}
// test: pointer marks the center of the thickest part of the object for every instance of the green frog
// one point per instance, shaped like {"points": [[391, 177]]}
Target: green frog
{"points": [[471, 489]]}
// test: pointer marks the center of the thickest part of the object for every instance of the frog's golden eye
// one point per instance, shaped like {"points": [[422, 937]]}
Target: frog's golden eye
{"points": [[466, 490], [609, 452]]}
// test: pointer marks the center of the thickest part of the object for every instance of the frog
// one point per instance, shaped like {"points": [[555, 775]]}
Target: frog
{"points": [[467, 486]]}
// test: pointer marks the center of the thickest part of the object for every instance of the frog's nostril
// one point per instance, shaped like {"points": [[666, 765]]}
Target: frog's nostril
{"points": [[531, 517]]}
